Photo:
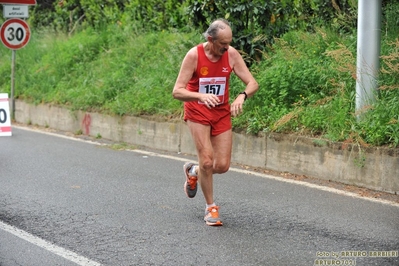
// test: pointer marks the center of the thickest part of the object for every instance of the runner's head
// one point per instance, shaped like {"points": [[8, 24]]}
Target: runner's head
{"points": [[219, 34]]}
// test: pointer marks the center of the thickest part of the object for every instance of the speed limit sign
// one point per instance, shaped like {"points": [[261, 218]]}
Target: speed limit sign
{"points": [[15, 33]]}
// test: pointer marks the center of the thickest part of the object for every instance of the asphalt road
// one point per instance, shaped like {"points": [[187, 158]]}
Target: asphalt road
{"points": [[68, 202]]}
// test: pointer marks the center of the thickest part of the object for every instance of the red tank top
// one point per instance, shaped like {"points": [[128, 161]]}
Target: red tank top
{"points": [[211, 77]]}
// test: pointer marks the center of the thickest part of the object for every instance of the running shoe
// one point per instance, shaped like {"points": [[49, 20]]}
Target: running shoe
{"points": [[190, 186], [212, 216]]}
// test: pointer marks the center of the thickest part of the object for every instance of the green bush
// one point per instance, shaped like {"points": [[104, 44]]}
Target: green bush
{"points": [[109, 70], [308, 87], [298, 73], [256, 23], [67, 16], [380, 124]]}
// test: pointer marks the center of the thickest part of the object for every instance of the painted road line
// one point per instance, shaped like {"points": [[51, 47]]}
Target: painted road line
{"points": [[62, 252], [282, 179]]}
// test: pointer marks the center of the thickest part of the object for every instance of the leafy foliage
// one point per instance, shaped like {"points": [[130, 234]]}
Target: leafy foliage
{"points": [[297, 79], [259, 22], [92, 71]]}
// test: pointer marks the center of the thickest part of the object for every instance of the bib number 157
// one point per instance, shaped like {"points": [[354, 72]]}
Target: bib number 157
{"points": [[214, 89]]}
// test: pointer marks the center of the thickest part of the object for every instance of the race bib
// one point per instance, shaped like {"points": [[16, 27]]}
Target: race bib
{"points": [[215, 86]]}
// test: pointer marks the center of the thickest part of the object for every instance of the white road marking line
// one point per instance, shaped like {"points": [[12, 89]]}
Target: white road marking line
{"points": [[297, 182], [302, 183], [62, 252], [324, 188]]}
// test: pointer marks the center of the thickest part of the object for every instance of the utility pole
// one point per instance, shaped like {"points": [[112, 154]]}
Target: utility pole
{"points": [[368, 52]]}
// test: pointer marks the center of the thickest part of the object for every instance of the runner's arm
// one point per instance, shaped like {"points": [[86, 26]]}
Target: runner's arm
{"points": [[187, 70], [242, 71]]}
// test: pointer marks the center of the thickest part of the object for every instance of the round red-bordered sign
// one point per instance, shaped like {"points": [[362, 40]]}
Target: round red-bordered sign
{"points": [[15, 33]]}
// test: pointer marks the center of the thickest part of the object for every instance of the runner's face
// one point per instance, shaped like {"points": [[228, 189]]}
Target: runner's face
{"points": [[223, 41]]}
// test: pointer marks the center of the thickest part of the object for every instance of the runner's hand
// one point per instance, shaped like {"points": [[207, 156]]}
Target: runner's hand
{"points": [[210, 100], [236, 107]]}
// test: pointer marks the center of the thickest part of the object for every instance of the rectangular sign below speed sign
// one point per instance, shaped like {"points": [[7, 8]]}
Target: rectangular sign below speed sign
{"points": [[5, 118], [15, 11]]}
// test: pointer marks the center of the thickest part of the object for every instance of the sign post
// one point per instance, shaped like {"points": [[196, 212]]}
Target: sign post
{"points": [[368, 53], [14, 34]]}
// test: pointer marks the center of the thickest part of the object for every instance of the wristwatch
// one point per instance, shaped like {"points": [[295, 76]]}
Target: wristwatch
{"points": [[246, 95]]}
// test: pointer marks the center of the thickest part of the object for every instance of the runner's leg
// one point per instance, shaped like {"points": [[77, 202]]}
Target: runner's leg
{"points": [[201, 135], [222, 145]]}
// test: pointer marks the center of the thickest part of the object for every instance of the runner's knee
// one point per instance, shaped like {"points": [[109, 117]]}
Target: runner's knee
{"points": [[221, 168]]}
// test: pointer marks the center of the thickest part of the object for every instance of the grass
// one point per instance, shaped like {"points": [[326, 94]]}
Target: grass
{"points": [[307, 80]]}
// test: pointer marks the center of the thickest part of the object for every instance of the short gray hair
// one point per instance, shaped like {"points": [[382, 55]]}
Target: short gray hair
{"points": [[214, 28]]}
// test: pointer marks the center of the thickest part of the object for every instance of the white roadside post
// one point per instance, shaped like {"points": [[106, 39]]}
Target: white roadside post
{"points": [[368, 53], [15, 33], [5, 118]]}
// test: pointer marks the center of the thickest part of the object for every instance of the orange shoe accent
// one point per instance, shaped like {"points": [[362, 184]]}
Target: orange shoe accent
{"points": [[212, 216], [190, 185], [192, 182]]}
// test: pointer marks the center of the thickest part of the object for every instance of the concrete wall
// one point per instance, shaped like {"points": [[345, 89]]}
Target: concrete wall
{"points": [[374, 168]]}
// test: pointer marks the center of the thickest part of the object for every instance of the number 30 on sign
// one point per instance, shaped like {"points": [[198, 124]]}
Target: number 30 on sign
{"points": [[15, 33], [5, 119]]}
